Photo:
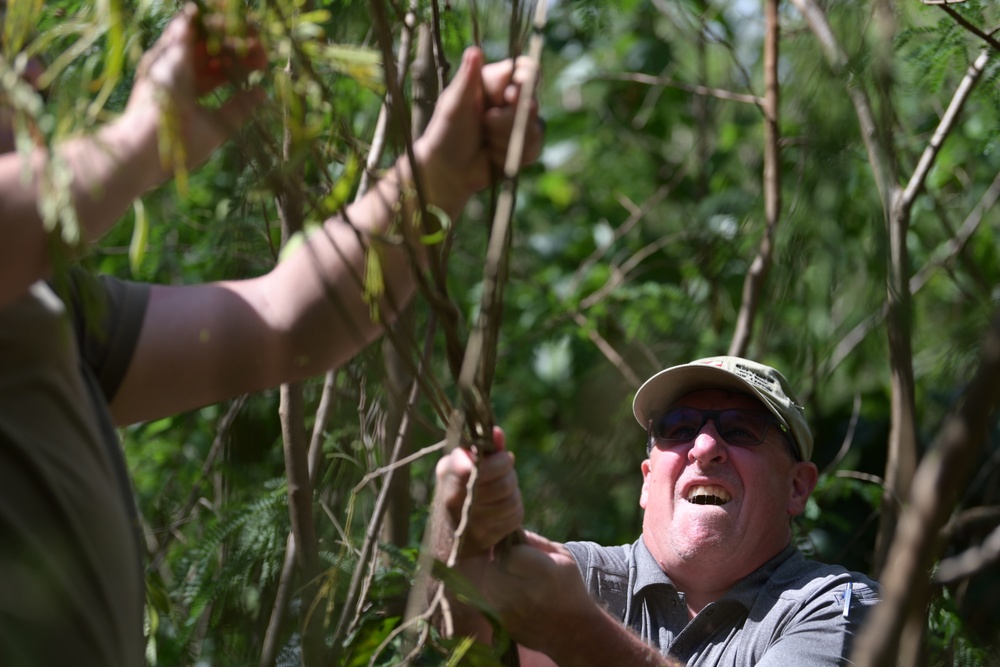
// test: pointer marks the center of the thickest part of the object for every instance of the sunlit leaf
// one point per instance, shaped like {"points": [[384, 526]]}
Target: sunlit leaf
{"points": [[140, 237]]}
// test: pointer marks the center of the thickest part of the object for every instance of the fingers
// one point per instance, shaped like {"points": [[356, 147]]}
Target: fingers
{"points": [[499, 439], [496, 509], [499, 123], [502, 81]]}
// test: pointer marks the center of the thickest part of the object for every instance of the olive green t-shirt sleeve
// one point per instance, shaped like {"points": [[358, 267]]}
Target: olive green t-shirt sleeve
{"points": [[107, 317]]}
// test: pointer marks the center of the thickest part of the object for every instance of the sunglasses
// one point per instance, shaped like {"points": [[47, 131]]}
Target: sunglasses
{"points": [[739, 427]]}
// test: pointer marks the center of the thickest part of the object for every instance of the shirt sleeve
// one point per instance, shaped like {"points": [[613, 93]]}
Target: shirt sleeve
{"points": [[107, 318], [822, 631]]}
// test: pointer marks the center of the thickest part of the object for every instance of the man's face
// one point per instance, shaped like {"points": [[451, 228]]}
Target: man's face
{"points": [[760, 486]]}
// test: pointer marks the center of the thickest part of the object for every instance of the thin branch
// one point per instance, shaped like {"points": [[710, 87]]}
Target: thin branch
{"points": [[944, 128], [636, 215], [845, 446], [620, 273], [476, 372], [405, 461], [962, 21], [705, 91], [942, 473], [971, 561], [608, 351], [954, 247], [221, 433], [753, 285], [837, 59], [381, 504]]}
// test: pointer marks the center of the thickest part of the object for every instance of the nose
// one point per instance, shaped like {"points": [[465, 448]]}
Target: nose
{"points": [[707, 446]]}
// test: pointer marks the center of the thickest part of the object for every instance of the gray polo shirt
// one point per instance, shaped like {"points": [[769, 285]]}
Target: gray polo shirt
{"points": [[791, 611]]}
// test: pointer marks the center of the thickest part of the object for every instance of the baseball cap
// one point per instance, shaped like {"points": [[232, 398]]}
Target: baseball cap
{"points": [[764, 382]]}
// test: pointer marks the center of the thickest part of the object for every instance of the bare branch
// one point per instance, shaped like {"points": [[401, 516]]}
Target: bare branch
{"points": [[608, 351], [354, 599], [944, 128], [845, 446], [878, 155], [753, 285], [706, 91], [942, 473], [962, 21], [476, 374], [953, 247], [971, 561]]}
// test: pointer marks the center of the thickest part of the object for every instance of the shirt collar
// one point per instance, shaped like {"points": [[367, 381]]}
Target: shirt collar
{"points": [[744, 591]]}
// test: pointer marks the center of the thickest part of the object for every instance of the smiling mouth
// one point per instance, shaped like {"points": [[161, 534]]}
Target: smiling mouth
{"points": [[708, 495]]}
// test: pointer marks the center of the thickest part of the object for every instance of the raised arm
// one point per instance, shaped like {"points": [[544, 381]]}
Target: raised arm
{"points": [[110, 168], [202, 344]]}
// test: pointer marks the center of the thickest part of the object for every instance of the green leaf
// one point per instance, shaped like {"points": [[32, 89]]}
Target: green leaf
{"points": [[140, 237]]}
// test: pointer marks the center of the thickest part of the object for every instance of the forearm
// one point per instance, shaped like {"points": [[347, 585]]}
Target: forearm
{"points": [[202, 344], [106, 172], [598, 640], [323, 297]]}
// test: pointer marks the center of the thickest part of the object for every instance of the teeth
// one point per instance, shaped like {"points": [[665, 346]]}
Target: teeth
{"points": [[708, 495]]}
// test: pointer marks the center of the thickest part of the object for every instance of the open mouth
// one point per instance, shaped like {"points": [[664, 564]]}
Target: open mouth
{"points": [[708, 495]]}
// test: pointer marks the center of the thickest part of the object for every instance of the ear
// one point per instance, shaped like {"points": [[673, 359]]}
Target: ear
{"points": [[647, 466], [804, 476]]}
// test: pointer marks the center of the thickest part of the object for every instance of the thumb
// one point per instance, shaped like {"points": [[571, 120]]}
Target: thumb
{"points": [[499, 439], [542, 544], [467, 86]]}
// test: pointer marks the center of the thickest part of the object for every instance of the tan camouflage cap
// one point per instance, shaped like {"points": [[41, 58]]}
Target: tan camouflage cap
{"points": [[770, 386]]}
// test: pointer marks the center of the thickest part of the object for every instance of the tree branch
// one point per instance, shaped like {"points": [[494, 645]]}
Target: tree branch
{"points": [[944, 128], [705, 91], [941, 474], [753, 285]]}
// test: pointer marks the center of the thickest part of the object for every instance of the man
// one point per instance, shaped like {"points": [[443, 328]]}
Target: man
{"points": [[71, 578], [713, 580]]}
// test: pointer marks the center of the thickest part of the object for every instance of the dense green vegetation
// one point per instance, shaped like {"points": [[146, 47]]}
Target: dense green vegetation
{"points": [[633, 239]]}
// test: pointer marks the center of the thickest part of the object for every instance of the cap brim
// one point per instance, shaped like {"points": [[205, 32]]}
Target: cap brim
{"points": [[666, 387]]}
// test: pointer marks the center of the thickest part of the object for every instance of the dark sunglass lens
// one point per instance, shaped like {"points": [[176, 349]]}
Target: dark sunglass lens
{"points": [[677, 425], [743, 427]]}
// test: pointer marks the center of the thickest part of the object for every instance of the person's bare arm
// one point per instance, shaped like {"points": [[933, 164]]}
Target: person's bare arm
{"points": [[541, 598], [536, 588], [202, 344], [118, 163]]}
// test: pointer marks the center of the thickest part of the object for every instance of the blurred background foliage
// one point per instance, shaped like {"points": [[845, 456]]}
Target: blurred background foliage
{"points": [[632, 234]]}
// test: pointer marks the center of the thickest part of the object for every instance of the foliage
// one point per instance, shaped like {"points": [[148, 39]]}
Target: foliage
{"points": [[636, 230]]}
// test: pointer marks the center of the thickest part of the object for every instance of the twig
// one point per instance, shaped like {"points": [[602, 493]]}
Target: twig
{"points": [[609, 352], [381, 503], [405, 461], [221, 432], [476, 374], [636, 214], [944, 128], [753, 285], [962, 21], [953, 246], [845, 446], [666, 82], [942, 472]]}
